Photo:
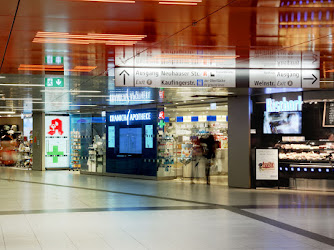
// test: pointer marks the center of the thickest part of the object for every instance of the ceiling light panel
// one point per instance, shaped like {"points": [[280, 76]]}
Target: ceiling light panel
{"points": [[27, 67], [85, 39]]}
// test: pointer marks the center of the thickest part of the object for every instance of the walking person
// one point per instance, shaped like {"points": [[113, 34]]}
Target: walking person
{"points": [[209, 154]]}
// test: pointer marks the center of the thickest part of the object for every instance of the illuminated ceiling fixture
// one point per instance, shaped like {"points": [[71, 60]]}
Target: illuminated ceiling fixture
{"points": [[93, 96], [41, 67], [82, 69], [20, 99], [181, 56], [90, 38], [7, 112], [306, 3], [177, 3], [52, 102], [28, 67], [82, 105], [181, 2], [108, 1], [71, 91], [21, 85]]}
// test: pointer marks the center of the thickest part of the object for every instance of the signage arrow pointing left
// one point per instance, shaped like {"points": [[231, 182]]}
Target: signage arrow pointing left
{"points": [[123, 73]]}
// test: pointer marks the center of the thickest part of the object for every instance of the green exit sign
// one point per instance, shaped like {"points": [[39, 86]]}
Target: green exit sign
{"points": [[54, 82], [54, 60]]}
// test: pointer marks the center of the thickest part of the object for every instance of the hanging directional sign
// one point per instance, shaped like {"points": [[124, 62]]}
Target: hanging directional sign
{"points": [[54, 82], [54, 60], [283, 59], [178, 77], [278, 78]]}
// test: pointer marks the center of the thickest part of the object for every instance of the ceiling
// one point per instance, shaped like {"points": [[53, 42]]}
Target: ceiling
{"points": [[88, 35]]}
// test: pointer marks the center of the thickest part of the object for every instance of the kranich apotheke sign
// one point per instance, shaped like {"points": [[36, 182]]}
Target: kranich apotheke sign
{"points": [[164, 77]]}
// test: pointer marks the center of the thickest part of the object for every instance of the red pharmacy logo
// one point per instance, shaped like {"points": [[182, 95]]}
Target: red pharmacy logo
{"points": [[161, 115], [56, 125], [267, 165]]}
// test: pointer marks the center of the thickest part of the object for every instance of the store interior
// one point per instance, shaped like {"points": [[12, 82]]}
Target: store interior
{"points": [[180, 149], [304, 138]]}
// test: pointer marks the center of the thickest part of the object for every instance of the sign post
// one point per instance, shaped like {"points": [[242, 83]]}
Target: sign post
{"points": [[266, 164]]}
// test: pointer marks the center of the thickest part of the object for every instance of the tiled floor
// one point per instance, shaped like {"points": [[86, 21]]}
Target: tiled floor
{"points": [[66, 210]]}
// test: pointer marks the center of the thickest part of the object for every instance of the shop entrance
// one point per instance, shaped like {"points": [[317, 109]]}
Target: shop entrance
{"points": [[183, 143]]}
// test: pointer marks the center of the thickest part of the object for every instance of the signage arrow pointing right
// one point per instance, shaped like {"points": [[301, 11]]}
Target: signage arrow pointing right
{"points": [[123, 73], [314, 78]]}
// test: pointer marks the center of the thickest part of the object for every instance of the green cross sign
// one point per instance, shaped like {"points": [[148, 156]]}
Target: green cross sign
{"points": [[161, 123], [54, 82], [55, 154]]}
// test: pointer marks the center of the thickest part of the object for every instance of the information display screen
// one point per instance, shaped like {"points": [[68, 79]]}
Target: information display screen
{"points": [[282, 123], [130, 140]]}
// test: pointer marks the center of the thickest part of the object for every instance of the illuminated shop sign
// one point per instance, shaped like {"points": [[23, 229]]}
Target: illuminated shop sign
{"points": [[130, 117], [131, 96], [280, 106]]}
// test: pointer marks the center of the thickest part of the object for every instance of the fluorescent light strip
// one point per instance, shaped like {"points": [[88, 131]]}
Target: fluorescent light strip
{"points": [[81, 42], [108, 100], [21, 85], [52, 102], [178, 3], [93, 96], [40, 66], [82, 105], [89, 36], [19, 109], [183, 1], [7, 112], [20, 99], [70, 91], [108, 1]]}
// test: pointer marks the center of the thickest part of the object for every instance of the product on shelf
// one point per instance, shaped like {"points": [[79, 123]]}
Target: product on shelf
{"points": [[76, 148], [307, 151]]}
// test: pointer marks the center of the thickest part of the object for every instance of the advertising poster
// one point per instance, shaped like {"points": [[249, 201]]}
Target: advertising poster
{"points": [[111, 136], [266, 164], [57, 144], [148, 136]]}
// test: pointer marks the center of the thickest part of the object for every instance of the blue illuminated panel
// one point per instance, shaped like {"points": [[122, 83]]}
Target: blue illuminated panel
{"points": [[211, 118], [179, 119], [194, 118]]}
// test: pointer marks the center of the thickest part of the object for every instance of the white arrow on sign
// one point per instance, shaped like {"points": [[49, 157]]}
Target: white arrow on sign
{"points": [[58, 82]]}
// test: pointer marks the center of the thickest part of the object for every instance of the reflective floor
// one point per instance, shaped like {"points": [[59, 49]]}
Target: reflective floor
{"points": [[66, 210]]}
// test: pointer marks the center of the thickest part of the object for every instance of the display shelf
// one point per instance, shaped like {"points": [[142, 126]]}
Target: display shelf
{"points": [[310, 159], [75, 148], [166, 156]]}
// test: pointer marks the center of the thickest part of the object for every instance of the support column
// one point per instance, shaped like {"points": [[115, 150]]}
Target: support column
{"points": [[239, 158], [38, 141]]}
